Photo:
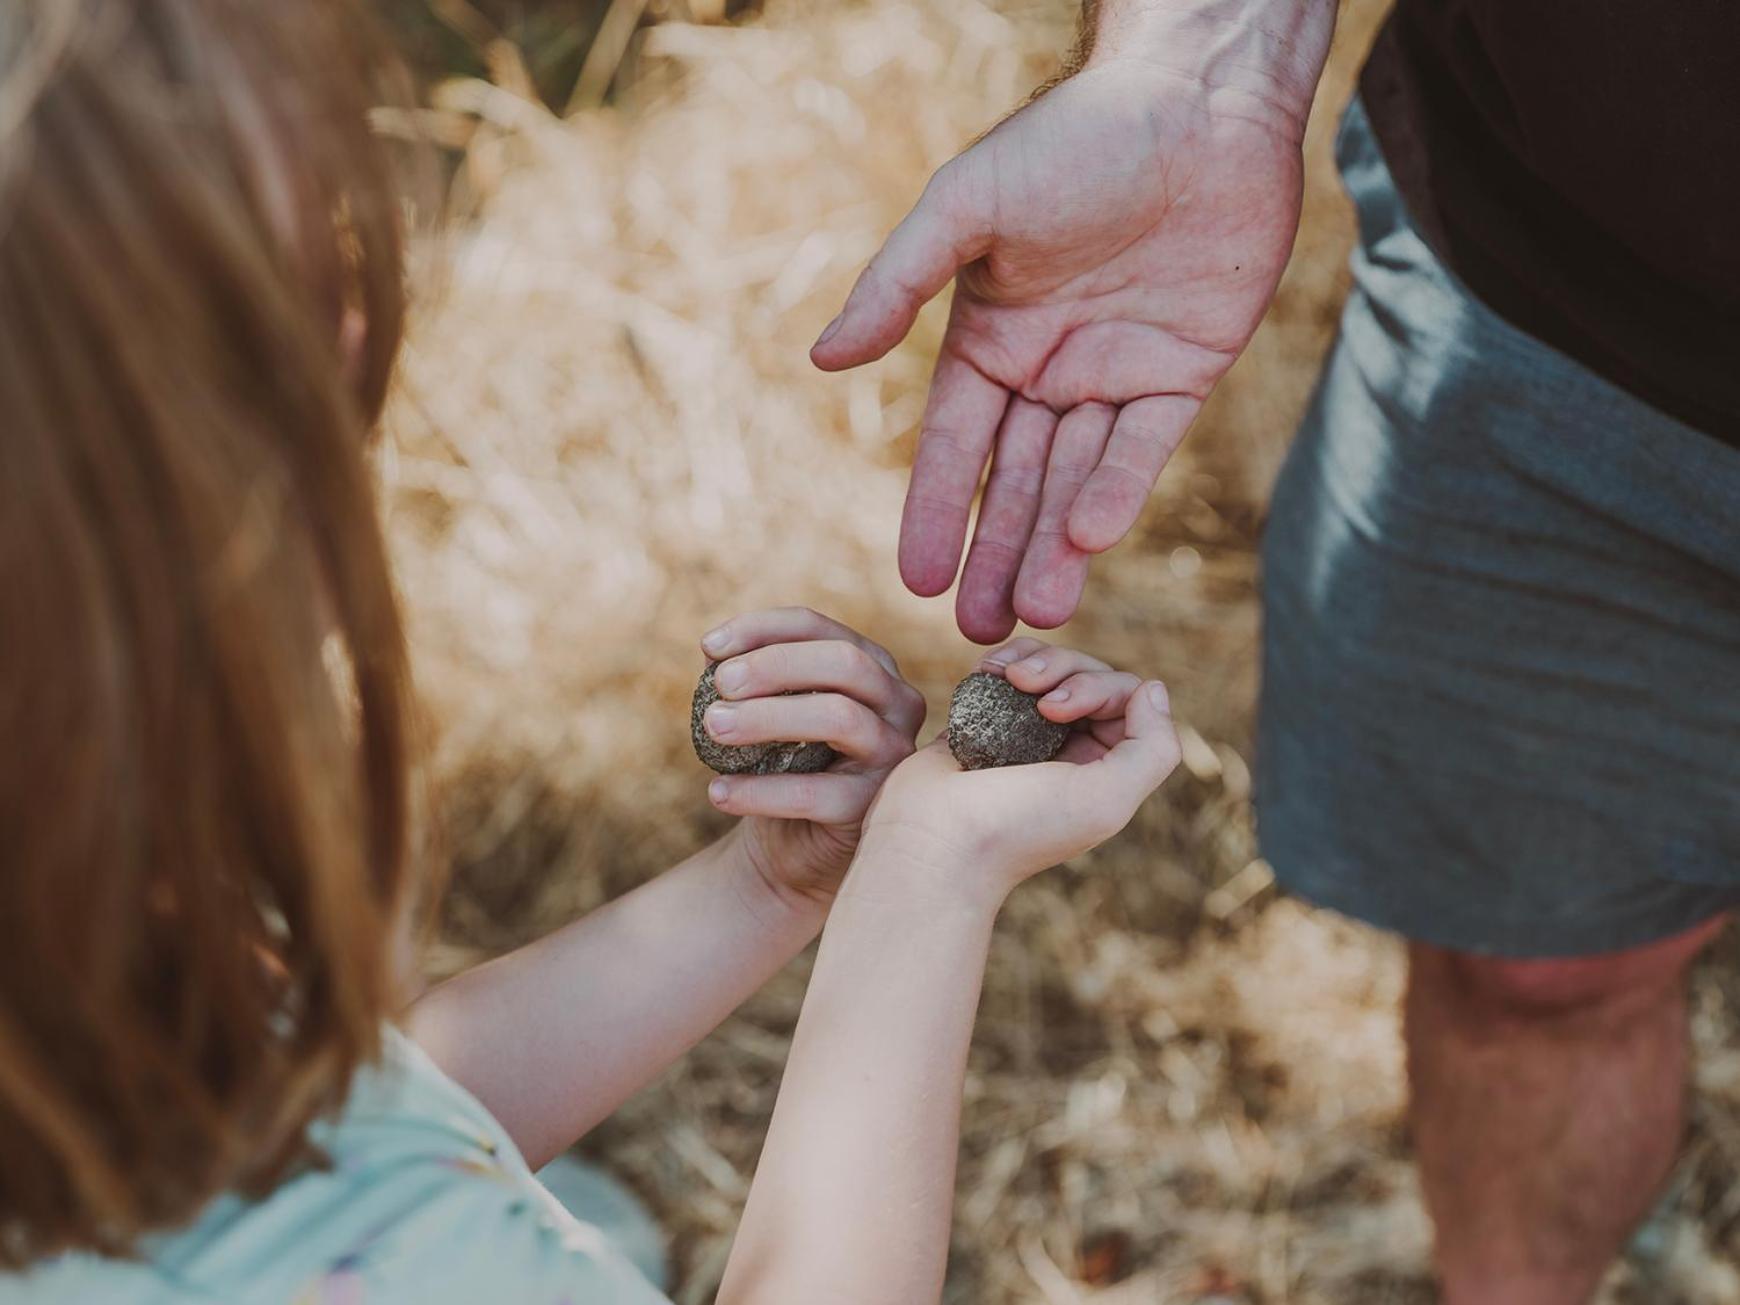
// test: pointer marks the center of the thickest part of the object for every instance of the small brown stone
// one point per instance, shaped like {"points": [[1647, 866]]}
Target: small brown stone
{"points": [[752, 758], [992, 723]]}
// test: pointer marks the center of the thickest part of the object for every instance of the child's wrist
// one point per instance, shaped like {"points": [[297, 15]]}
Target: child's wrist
{"points": [[906, 864], [764, 893]]}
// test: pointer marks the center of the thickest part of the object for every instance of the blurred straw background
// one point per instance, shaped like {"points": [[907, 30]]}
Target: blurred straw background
{"points": [[1183, 1088]]}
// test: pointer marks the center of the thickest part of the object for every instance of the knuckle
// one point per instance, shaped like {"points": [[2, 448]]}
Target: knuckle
{"points": [[773, 666], [1071, 471], [940, 187], [1024, 482], [842, 717], [856, 662], [952, 190], [801, 796], [1135, 480], [990, 547]]}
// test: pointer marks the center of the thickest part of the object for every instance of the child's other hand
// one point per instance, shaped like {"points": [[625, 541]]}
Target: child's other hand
{"points": [[800, 831], [983, 831]]}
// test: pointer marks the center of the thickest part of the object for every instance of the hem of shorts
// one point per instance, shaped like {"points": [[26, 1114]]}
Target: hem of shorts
{"points": [[1690, 906]]}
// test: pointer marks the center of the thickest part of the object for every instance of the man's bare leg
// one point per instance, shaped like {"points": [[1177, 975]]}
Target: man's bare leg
{"points": [[1548, 1107]]}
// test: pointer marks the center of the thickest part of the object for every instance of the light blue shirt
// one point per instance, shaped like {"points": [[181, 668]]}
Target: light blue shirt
{"points": [[428, 1202]]}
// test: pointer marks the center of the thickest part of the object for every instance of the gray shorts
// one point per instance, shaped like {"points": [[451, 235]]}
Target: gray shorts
{"points": [[1501, 656]]}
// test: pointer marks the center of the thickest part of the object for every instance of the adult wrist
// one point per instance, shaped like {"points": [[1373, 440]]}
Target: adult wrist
{"points": [[1268, 54]]}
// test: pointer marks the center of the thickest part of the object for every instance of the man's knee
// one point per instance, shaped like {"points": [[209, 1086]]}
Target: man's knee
{"points": [[1501, 987]]}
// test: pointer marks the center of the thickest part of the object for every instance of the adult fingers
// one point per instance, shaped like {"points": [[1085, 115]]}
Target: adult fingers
{"points": [[828, 798], [1143, 438], [984, 608], [786, 625], [846, 725], [960, 424], [1054, 570], [944, 230], [836, 664]]}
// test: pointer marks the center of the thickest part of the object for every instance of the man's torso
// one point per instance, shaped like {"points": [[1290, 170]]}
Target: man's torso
{"points": [[1577, 164]]}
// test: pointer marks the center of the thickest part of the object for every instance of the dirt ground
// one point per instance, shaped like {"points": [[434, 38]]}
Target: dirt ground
{"points": [[1184, 1087]]}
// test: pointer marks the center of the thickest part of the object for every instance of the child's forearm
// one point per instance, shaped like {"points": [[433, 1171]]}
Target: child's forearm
{"points": [[851, 1201], [554, 1036]]}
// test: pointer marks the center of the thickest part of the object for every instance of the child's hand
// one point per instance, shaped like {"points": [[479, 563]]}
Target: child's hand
{"points": [[986, 830], [800, 831]]}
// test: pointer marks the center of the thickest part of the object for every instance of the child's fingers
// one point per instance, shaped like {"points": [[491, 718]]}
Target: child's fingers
{"points": [[934, 759], [1108, 733], [1081, 748], [1144, 757], [828, 798], [846, 725], [822, 664], [1044, 670], [1090, 695], [785, 625], [1013, 651]]}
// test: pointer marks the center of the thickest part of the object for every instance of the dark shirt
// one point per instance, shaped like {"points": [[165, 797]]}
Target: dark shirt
{"points": [[1577, 164]]}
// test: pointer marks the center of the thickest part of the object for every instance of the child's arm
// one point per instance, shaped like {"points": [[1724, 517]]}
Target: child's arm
{"points": [[554, 1036], [852, 1198]]}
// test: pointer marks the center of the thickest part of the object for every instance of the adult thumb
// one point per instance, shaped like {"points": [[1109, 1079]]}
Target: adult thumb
{"points": [[941, 234]]}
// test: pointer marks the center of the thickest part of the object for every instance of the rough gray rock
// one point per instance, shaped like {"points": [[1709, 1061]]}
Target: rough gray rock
{"points": [[752, 758], [992, 723]]}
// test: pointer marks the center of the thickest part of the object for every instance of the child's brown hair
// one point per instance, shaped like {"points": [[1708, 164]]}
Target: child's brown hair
{"points": [[202, 679]]}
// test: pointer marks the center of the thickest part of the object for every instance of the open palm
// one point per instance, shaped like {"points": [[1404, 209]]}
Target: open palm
{"points": [[1116, 243]]}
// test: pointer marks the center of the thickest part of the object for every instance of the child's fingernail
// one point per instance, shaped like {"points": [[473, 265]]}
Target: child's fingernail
{"points": [[831, 329], [715, 642], [731, 676], [719, 790], [1032, 666], [1157, 696], [1056, 695], [1002, 657], [721, 719]]}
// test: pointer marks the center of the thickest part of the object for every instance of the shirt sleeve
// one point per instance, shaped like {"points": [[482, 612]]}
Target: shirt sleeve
{"points": [[422, 1199], [440, 1207], [477, 1239]]}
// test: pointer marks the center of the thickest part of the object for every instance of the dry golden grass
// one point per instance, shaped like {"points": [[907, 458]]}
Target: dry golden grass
{"points": [[609, 438]]}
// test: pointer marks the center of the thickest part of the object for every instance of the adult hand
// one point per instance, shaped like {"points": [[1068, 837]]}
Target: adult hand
{"points": [[1115, 244], [790, 674]]}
